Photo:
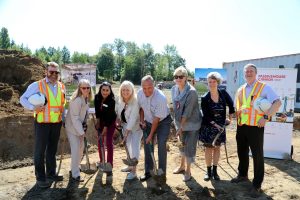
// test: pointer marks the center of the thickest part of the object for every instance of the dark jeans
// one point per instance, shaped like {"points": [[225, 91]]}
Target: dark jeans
{"points": [[162, 132], [253, 137], [46, 141]]}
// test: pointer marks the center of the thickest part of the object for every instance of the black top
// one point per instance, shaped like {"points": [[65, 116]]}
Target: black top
{"points": [[205, 102], [123, 118], [106, 111]]}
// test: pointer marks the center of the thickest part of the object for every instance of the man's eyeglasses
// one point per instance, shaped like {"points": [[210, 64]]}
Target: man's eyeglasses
{"points": [[180, 77], [53, 72], [85, 88]]}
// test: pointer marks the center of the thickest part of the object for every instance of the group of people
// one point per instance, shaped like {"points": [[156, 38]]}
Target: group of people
{"points": [[146, 115]]}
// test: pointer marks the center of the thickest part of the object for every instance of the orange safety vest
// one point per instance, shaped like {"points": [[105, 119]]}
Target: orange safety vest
{"points": [[246, 113], [55, 105]]}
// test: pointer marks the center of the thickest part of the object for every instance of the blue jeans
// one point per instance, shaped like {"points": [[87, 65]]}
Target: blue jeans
{"points": [[162, 132], [46, 141]]}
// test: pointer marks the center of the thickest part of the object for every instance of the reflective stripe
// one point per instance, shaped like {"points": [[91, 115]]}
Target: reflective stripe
{"points": [[249, 115]]}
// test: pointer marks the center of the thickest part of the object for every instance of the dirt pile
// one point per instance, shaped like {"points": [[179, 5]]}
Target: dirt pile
{"points": [[18, 70]]}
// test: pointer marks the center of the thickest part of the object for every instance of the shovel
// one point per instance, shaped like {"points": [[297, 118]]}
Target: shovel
{"points": [[157, 174], [129, 161], [88, 168]]}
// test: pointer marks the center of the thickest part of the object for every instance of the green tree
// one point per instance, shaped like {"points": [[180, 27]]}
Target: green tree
{"points": [[173, 58], [66, 56], [80, 58], [119, 47], [4, 39], [105, 63]]}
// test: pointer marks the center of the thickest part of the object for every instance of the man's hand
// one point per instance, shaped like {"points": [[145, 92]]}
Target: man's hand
{"points": [[261, 123], [38, 109], [179, 132]]}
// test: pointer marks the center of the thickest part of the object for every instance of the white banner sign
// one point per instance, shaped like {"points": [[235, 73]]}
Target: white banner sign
{"points": [[278, 133]]}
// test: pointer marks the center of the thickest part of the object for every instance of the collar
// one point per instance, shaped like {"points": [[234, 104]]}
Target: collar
{"points": [[251, 85]]}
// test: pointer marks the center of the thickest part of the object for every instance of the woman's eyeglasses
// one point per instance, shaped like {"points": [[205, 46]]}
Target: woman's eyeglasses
{"points": [[85, 88], [53, 72], [180, 77]]}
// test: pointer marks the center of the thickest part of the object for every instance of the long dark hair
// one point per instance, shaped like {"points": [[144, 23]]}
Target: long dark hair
{"points": [[111, 96]]}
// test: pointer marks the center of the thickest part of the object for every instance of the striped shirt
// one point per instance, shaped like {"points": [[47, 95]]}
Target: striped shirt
{"points": [[155, 105]]}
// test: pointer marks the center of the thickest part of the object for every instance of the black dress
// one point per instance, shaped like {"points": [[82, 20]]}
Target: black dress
{"points": [[209, 132]]}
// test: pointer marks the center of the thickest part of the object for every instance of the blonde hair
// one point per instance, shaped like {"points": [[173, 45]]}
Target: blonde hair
{"points": [[130, 86], [180, 71], [215, 76], [78, 93]]}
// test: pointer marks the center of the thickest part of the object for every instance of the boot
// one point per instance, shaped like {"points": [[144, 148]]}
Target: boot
{"points": [[207, 176], [215, 173]]}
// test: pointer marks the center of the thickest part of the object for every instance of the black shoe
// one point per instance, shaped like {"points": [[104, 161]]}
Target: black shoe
{"points": [[77, 179], [109, 173], [207, 176], [55, 178], [43, 184], [255, 192], [145, 177], [215, 173], [239, 179]]}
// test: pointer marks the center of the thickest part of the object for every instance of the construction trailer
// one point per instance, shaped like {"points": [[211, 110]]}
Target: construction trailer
{"points": [[235, 76]]}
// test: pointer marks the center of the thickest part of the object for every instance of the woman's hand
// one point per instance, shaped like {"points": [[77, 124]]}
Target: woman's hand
{"points": [[179, 132], [227, 122]]}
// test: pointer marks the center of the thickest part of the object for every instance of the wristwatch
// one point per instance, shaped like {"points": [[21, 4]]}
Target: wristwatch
{"points": [[266, 117]]}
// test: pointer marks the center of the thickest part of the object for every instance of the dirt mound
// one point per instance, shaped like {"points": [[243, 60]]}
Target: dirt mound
{"points": [[18, 70]]}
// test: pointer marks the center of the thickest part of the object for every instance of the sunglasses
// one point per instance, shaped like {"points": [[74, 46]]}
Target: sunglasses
{"points": [[53, 72], [85, 88], [180, 77]]}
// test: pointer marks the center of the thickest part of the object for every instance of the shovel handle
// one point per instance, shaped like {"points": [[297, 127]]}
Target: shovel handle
{"points": [[86, 153]]}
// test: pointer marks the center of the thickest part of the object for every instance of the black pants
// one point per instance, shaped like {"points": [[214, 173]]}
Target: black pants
{"points": [[46, 141], [253, 137]]}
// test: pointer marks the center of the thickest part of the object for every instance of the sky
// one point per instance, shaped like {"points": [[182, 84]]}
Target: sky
{"points": [[206, 33]]}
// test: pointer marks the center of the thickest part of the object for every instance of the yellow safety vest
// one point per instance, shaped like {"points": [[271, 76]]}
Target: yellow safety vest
{"points": [[55, 105], [247, 114]]}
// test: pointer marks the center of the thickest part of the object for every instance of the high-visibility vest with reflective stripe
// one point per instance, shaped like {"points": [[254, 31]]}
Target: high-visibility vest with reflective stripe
{"points": [[55, 105], [248, 115]]}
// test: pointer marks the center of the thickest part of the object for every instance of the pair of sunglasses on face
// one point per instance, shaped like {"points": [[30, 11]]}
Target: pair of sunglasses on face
{"points": [[85, 88], [178, 77], [53, 72]]}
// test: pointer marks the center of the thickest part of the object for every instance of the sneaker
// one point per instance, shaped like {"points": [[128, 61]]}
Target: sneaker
{"points": [[239, 179], [255, 192], [131, 175], [43, 184], [55, 178], [126, 169]]}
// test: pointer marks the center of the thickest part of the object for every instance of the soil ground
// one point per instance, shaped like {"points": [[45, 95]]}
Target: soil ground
{"points": [[281, 181]]}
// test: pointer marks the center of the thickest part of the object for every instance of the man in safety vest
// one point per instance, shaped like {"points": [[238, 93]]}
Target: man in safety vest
{"points": [[250, 129], [47, 123]]}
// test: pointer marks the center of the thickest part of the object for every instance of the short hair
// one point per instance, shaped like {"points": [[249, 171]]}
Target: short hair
{"points": [[250, 65], [180, 71], [147, 78], [215, 76], [52, 64], [127, 84]]}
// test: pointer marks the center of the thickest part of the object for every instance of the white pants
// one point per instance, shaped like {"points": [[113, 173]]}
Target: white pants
{"points": [[76, 144], [133, 143]]}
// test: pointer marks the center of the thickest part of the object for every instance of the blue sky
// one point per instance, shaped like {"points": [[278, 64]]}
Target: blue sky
{"points": [[202, 72], [206, 33]]}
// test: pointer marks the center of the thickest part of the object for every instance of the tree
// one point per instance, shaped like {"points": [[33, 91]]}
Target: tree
{"points": [[105, 63], [66, 56], [119, 47], [4, 39], [173, 58], [80, 58]]}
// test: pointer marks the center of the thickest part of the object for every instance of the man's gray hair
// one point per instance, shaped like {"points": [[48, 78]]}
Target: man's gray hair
{"points": [[250, 65], [52, 64], [147, 78]]}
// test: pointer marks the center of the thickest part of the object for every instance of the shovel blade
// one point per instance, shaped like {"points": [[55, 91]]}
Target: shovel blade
{"points": [[105, 167], [130, 162]]}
